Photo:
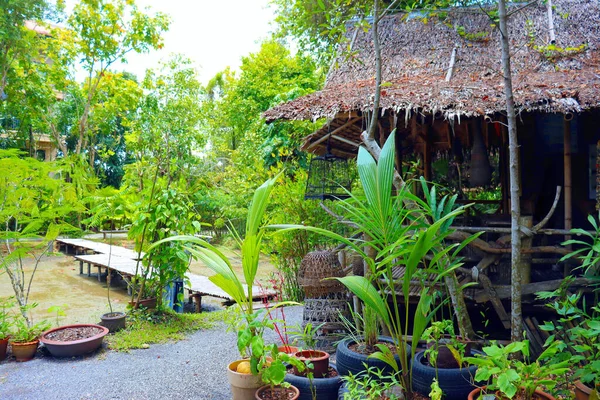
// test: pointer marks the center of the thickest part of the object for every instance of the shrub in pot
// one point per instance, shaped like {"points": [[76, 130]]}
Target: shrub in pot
{"points": [[273, 370], [24, 340], [579, 327], [250, 327], [443, 362], [399, 236], [317, 360], [509, 376], [372, 384]]}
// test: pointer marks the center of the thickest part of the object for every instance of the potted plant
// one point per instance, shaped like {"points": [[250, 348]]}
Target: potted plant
{"points": [[372, 384], [250, 338], [579, 328], [273, 370], [5, 326], [443, 363], [24, 340], [318, 360], [509, 375], [411, 237], [146, 293], [353, 351], [114, 321]]}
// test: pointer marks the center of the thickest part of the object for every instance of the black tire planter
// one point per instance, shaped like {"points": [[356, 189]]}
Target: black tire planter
{"points": [[456, 383], [113, 321], [348, 361], [326, 388]]}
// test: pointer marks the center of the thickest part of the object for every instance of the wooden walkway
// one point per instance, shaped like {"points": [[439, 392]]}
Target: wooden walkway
{"points": [[197, 286], [83, 246]]}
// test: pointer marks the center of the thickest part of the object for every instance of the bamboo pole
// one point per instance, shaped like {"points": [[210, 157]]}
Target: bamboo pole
{"points": [[568, 182]]}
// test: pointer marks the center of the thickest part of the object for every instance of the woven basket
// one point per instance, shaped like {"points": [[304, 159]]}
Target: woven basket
{"points": [[315, 267]]}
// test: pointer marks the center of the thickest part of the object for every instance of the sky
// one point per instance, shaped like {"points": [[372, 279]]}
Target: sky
{"points": [[214, 34]]}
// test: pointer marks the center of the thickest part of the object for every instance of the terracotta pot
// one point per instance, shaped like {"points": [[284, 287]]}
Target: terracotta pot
{"points": [[318, 358], [582, 391], [24, 351], [262, 389], [114, 321], [243, 386], [148, 303], [3, 347], [474, 395], [287, 349], [75, 347]]}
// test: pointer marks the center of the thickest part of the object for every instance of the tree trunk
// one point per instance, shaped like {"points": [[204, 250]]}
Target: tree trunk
{"points": [[515, 184], [377, 97]]}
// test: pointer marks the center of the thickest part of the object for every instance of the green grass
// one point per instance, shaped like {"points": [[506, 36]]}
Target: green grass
{"points": [[147, 327]]}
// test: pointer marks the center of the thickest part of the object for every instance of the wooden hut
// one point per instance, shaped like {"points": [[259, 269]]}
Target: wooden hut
{"points": [[443, 93]]}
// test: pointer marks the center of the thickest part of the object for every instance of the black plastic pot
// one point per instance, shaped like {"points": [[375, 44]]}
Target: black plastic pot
{"points": [[326, 388], [348, 361], [456, 383], [114, 321]]}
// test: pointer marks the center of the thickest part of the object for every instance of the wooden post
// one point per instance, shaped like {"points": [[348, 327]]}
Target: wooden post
{"points": [[427, 154], [526, 241], [567, 182]]}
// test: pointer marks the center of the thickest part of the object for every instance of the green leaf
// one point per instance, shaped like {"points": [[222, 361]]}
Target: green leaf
{"points": [[365, 291]]}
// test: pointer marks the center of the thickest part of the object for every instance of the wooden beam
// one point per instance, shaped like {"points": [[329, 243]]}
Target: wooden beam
{"points": [[344, 140], [338, 129], [503, 291]]}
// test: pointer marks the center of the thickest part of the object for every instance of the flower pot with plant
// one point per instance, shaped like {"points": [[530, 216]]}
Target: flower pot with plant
{"points": [[273, 370], [6, 322], [412, 238], [24, 340], [373, 384], [353, 352], [317, 359], [113, 320], [250, 340], [443, 363], [510, 377]]}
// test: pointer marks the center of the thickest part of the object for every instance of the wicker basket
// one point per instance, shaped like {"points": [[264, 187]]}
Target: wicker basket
{"points": [[315, 267]]}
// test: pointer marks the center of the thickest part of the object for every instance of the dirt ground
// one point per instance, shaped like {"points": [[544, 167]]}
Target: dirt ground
{"points": [[57, 283]]}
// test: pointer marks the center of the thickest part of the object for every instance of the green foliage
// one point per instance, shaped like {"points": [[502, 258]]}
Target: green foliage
{"points": [[553, 52], [24, 330], [372, 384], [509, 374], [6, 320], [400, 236], [59, 311], [252, 324], [587, 251], [35, 204], [579, 329], [274, 366], [307, 335], [146, 327]]}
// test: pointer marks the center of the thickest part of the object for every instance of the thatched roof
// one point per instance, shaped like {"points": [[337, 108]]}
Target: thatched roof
{"points": [[416, 55]]}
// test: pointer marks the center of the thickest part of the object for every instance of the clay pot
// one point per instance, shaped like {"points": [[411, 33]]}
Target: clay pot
{"points": [[24, 351], [284, 394], [474, 395], [243, 386], [3, 347], [582, 391], [287, 349], [75, 347], [319, 360], [114, 321]]}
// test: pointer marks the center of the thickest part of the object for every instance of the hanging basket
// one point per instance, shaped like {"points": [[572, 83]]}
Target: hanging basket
{"points": [[315, 267]]}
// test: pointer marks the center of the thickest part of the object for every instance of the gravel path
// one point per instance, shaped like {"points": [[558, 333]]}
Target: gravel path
{"points": [[189, 369]]}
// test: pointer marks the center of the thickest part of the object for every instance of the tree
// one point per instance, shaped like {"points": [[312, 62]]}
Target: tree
{"points": [[100, 32], [33, 205], [515, 182]]}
